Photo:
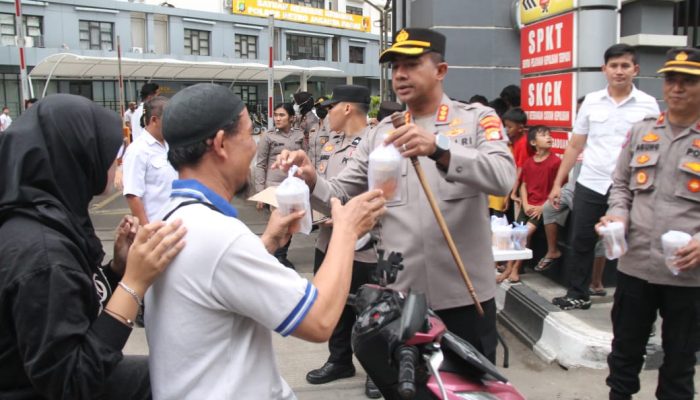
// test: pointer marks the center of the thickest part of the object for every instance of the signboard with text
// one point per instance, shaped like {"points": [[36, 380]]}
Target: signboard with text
{"points": [[549, 100], [547, 45], [560, 141], [301, 14], [535, 10]]}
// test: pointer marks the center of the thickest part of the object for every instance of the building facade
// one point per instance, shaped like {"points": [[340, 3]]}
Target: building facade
{"points": [[186, 30]]}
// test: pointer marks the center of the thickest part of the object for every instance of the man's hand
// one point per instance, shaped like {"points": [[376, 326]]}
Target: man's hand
{"points": [[535, 212], [360, 214], [277, 231], [606, 219], [412, 141], [555, 196], [119, 178], [688, 257], [124, 237], [306, 171]]}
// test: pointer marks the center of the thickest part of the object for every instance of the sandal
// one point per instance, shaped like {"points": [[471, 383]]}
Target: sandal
{"points": [[546, 263]]}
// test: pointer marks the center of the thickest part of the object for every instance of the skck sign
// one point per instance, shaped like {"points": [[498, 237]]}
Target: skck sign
{"points": [[548, 100]]}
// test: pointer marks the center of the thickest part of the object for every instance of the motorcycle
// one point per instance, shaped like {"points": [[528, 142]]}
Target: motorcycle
{"points": [[409, 353]]}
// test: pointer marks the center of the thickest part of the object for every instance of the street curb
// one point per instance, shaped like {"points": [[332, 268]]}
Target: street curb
{"points": [[556, 335]]}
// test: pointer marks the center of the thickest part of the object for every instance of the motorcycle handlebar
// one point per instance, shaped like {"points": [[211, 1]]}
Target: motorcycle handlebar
{"points": [[407, 356]]}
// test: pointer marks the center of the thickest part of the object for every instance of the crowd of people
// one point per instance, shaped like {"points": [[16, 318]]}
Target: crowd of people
{"points": [[213, 291]]}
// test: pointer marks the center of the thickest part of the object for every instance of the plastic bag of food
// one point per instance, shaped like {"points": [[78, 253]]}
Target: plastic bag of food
{"points": [[292, 196]]}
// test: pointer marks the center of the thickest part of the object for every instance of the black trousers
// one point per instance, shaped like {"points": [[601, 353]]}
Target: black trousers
{"points": [[281, 252], [589, 206], [466, 323], [633, 313], [339, 344]]}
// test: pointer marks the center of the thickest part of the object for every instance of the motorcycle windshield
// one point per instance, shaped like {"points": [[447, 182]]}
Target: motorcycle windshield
{"points": [[462, 357]]}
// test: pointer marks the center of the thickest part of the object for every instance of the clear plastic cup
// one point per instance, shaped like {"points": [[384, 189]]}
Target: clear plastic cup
{"points": [[671, 241], [502, 237], [519, 237], [385, 171], [613, 235]]}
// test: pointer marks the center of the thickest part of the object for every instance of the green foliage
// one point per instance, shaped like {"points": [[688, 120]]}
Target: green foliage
{"points": [[374, 106]]}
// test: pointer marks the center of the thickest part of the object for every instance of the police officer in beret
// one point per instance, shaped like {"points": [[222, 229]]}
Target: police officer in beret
{"points": [[319, 133], [347, 115], [211, 318], [465, 157], [656, 188]]}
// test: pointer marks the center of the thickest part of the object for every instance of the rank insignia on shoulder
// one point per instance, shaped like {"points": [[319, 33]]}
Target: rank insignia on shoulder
{"points": [[661, 119], [642, 177], [643, 159], [694, 185], [650, 137], [693, 166], [442, 113]]}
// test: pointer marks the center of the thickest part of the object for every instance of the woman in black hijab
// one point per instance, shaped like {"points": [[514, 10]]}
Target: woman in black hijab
{"points": [[64, 318]]}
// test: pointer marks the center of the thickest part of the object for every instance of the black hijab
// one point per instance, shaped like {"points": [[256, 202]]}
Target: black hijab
{"points": [[53, 159]]}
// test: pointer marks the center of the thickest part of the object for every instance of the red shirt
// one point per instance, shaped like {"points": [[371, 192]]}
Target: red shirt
{"points": [[521, 151], [538, 177]]}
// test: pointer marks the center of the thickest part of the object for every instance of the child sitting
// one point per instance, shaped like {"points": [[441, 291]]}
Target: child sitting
{"points": [[537, 178]]}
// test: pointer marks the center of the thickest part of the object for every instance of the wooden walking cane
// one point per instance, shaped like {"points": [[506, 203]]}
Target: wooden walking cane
{"points": [[398, 120]]}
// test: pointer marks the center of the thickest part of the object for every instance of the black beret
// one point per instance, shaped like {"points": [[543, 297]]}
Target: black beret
{"points": [[198, 112], [350, 94]]}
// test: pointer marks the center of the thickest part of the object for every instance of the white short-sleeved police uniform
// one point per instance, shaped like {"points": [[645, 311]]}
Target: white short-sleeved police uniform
{"points": [[147, 173], [210, 315]]}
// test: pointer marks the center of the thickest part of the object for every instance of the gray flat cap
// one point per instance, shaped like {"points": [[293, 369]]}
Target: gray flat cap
{"points": [[198, 112]]}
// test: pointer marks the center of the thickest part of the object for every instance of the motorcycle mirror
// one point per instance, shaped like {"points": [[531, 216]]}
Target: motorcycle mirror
{"points": [[413, 316]]}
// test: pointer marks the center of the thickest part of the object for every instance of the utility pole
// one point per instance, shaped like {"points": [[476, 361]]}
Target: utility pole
{"points": [[19, 34], [271, 70], [384, 33]]}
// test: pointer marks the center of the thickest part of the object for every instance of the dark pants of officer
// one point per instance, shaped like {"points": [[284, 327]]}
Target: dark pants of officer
{"points": [[281, 252], [633, 313], [466, 323], [589, 206], [339, 344]]}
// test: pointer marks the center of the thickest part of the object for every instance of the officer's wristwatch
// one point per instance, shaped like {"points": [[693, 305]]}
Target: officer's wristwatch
{"points": [[442, 146]]}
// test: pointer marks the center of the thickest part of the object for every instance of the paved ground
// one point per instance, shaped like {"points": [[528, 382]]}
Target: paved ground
{"points": [[533, 377]]}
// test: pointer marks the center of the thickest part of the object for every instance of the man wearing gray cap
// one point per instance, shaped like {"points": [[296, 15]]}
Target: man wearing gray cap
{"points": [[210, 318]]}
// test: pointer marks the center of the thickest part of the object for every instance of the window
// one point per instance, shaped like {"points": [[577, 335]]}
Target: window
{"points": [[96, 35], [308, 3], [247, 93], [357, 55], [353, 10], [197, 42], [33, 27], [306, 48], [686, 20], [246, 46], [160, 29]]}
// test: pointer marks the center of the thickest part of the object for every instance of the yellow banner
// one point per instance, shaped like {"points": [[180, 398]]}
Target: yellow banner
{"points": [[302, 14], [535, 10]]}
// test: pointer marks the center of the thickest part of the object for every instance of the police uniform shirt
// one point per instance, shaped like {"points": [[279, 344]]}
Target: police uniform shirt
{"points": [[269, 147], [606, 124], [656, 188], [307, 123], [333, 158], [317, 139], [480, 164]]}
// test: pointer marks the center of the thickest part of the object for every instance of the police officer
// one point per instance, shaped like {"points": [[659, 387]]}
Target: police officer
{"points": [[347, 114], [464, 155], [284, 136], [318, 136], [656, 188], [305, 119]]}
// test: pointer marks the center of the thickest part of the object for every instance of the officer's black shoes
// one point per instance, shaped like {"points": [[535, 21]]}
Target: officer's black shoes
{"points": [[330, 372], [570, 303], [371, 389]]}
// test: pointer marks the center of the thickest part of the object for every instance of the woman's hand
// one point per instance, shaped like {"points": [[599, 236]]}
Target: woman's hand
{"points": [[124, 237], [154, 247]]}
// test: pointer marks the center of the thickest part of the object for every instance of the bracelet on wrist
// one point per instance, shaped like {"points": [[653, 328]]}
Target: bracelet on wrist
{"points": [[131, 292], [123, 319]]}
